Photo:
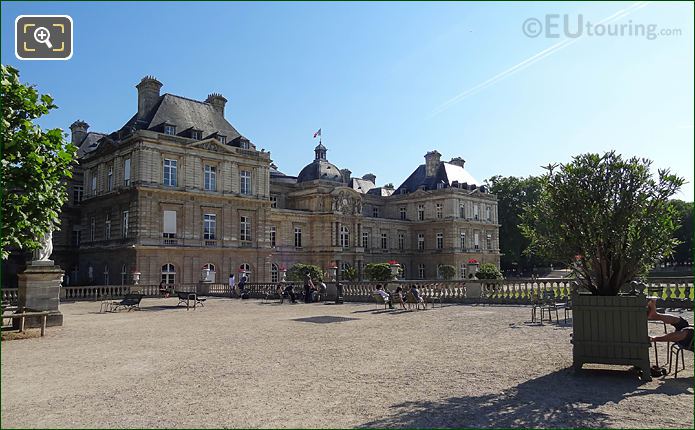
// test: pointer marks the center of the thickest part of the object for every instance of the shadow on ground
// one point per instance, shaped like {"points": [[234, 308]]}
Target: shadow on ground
{"points": [[560, 399]]}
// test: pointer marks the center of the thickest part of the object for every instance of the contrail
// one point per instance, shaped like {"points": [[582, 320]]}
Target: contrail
{"points": [[531, 60]]}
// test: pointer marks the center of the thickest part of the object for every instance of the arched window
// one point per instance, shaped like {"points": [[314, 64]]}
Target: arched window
{"points": [[344, 237], [245, 269], [343, 268], [211, 273], [106, 274], [274, 277], [124, 274], [169, 274]]}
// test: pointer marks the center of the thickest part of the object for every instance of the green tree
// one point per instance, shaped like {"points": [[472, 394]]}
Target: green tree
{"points": [[683, 252], [378, 272], [298, 272], [488, 271], [447, 272], [35, 166], [350, 273], [606, 216], [513, 194]]}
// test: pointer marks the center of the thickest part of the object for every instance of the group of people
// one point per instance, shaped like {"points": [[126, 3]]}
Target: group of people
{"points": [[312, 293], [397, 295], [240, 289]]}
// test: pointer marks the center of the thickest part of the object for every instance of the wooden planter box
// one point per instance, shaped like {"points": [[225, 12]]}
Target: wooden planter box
{"points": [[610, 330]]}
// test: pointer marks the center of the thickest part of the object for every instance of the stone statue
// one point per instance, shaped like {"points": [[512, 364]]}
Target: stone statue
{"points": [[46, 249]]}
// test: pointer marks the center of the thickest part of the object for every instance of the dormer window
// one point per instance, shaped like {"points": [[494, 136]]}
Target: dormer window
{"points": [[196, 134], [222, 139], [245, 144], [170, 129]]}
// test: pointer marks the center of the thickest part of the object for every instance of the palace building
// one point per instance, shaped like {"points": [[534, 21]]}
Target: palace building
{"points": [[178, 189]]}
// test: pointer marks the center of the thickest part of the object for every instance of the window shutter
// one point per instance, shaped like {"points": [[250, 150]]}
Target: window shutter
{"points": [[169, 222]]}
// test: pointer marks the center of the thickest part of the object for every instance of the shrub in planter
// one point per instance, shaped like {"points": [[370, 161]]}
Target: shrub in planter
{"points": [[611, 220], [378, 272], [447, 272], [488, 271], [298, 271]]}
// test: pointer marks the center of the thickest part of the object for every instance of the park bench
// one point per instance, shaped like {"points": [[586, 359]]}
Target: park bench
{"points": [[187, 297], [22, 318], [131, 301]]}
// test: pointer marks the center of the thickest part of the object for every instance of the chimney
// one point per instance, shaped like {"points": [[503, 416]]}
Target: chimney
{"points": [[432, 160], [458, 161], [370, 177], [148, 95], [345, 173], [217, 101], [79, 131]]}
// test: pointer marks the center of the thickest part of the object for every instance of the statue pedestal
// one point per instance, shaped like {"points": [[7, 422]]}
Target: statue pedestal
{"points": [[39, 290]]}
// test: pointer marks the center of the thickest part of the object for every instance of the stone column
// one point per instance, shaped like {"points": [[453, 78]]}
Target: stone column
{"points": [[39, 290]]}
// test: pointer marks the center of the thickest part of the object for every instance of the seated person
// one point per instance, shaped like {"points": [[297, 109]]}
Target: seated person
{"points": [[164, 289], [416, 294], [398, 296], [387, 297], [683, 336], [289, 290]]}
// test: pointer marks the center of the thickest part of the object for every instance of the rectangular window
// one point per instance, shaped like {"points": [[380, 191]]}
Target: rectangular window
{"points": [[210, 174], [245, 144], [94, 182], [420, 241], [76, 236], [401, 241], [476, 209], [169, 225], [462, 210], [222, 139], [421, 271], [210, 226], [439, 210], [384, 241], [170, 129], [375, 212], [462, 237], [109, 179], [476, 241], [403, 213], [245, 181], [487, 213], [245, 223], [126, 172], [420, 212], [273, 235], [124, 225], [107, 226], [169, 172], [273, 201], [77, 194], [197, 135], [365, 240], [462, 271], [488, 241], [92, 228], [440, 240], [297, 237]]}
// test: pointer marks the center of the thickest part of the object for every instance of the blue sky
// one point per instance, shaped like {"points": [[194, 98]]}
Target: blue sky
{"points": [[387, 82]]}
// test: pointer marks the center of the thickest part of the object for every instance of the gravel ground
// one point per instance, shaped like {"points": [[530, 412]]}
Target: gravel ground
{"points": [[249, 364]]}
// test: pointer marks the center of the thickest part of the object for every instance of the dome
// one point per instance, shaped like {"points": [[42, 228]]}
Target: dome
{"points": [[320, 169]]}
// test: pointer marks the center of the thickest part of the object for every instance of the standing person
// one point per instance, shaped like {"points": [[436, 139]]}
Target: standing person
{"points": [[322, 290], [242, 285], [231, 284], [308, 286]]}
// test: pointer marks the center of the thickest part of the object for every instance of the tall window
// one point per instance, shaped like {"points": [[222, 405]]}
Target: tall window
{"points": [[169, 129], [124, 274], [170, 173], [462, 271], [476, 209], [375, 212], [222, 139], [421, 271], [298, 237], [92, 228], [94, 182], [209, 226], [169, 226], [211, 271], [420, 241], [462, 238], [76, 236], [462, 210], [77, 194], [245, 180], [401, 241], [245, 228], [274, 273], [245, 269], [106, 274], [384, 241], [168, 273], [124, 225], [344, 237], [488, 241], [273, 201], [365, 239], [126, 172], [440, 240], [487, 213], [402, 213], [420, 212], [109, 179], [210, 181], [476, 241], [107, 226], [273, 236], [439, 210], [196, 134]]}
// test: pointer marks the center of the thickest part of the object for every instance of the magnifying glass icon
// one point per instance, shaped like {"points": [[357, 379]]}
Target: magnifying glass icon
{"points": [[42, 35]]}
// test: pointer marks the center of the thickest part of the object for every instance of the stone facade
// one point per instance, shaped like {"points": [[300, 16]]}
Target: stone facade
{"points": [[177, 188]]}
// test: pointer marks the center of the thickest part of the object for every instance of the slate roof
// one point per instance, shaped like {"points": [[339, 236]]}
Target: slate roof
{"points": [[361, 185], [89, 143], [381, 191], [446, 173], [185, 113], [320, 169]]}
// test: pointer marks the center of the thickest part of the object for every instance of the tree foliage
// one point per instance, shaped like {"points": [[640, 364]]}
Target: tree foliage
{"points": [[298, 272], [447, 272], [488, 271], [606, 216], [683, 252], [378, 272], [35, 166], [350, 273]]}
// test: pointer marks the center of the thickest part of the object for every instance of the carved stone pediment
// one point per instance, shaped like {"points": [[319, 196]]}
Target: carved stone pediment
{"points": [[210, 145], [347, 203]]}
